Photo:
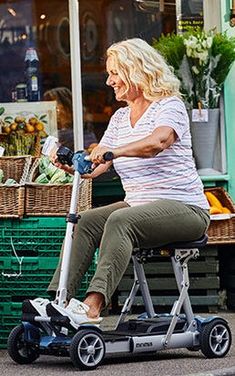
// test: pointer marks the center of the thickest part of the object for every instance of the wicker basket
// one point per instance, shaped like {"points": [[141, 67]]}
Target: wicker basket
{"points": [[222, 231], [53, 199], [16, 168], [12, 197]]}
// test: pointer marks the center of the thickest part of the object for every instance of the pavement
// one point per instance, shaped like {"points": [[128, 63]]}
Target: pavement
{"points": [[177, 362]]}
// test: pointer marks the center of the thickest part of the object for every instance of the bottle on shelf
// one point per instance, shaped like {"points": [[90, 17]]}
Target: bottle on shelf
{"points": [[32, 75], [20, 93]]}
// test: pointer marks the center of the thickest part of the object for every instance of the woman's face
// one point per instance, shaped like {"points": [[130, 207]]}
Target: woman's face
{"points": [[117, 84], [64, 116]]}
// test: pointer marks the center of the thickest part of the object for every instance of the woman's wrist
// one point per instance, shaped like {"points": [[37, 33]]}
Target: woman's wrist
{"points": [[68, 169]]}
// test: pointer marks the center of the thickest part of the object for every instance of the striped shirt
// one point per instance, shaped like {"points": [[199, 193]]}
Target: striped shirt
{"points": [[171, 174]]}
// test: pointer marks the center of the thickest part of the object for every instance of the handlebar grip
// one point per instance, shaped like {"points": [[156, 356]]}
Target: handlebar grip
{"points": [[65, 155], [108, 156]]}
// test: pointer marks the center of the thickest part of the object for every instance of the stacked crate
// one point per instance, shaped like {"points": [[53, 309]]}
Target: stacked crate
{"points": [[203, 278], [29, 253]]}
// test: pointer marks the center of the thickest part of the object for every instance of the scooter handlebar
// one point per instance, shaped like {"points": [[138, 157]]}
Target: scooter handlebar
{"points": [[65, 155], [80, 159], [108, 156]]}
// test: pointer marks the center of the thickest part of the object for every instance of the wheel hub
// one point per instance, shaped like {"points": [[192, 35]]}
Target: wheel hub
{"points": [[219, 339], [91, 350]]}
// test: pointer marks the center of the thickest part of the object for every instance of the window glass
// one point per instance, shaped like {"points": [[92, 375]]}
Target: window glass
{"points": [[35, 67], [101, 24], [43, 26]]}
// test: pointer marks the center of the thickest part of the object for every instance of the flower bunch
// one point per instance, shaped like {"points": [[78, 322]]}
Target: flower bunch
{"points": [[201, 60], [198, 47]]}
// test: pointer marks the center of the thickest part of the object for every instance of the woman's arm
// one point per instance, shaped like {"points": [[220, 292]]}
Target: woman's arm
{"points": [[99, 170], [160, 139]]}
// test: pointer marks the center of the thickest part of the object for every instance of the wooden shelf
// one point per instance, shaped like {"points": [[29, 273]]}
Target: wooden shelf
{"points": [[215, 178]]}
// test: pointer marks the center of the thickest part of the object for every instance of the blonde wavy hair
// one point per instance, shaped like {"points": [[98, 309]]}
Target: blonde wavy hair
{"points": [[139, 64]]}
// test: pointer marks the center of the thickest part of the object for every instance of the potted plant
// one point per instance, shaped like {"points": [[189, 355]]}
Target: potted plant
{"points": [[201, 60]]}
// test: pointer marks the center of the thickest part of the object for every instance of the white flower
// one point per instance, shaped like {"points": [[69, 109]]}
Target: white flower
{"points": [[209, 42], [189, 52], [195, 70], [191, 42], [202, 56]]}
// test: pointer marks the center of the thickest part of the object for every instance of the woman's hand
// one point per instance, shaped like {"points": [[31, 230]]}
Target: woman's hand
{"points": [[54, 159], [99, 165], [97, 153], [100, 169]]}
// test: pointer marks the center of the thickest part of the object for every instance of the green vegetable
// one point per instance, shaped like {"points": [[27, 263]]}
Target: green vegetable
{"points": [[42, 179], [10, 182], [58, 177], [69, 178], [51, 170], [52, 174], [1, 175], [43, 164]]}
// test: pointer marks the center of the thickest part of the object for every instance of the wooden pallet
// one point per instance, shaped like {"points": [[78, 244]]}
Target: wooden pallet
{"points": [[203, 275]]}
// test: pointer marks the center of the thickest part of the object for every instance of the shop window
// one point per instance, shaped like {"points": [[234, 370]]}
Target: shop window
{"points": [[103, 22], [44, 26]]}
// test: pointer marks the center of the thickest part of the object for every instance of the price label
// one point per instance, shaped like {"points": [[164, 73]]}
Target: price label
{"points": [[50, 145], [200, 116]]}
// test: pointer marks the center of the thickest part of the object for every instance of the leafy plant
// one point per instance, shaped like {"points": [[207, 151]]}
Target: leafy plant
{"points": [[201, 60]]}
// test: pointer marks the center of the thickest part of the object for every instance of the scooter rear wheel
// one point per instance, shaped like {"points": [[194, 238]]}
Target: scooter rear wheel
{"points": [[215, 339], [87, 349], [19, 350]]}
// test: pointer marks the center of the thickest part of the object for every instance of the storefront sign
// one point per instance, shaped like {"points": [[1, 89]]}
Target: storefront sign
{"points": [[188, 14]]}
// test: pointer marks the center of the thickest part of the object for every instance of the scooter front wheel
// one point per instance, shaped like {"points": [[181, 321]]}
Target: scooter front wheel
{"points": [[19, 350], [87, 349]]}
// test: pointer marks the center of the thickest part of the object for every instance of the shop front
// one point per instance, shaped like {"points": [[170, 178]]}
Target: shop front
{"points": [[52, 83], [53, 69]]}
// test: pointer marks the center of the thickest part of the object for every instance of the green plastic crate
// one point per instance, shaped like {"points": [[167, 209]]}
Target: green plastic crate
{"points": [[22, 242], [36, 274], [34, 222], [7, 323], [10, 309], [33, 237], [29, 265], [38, 241]]}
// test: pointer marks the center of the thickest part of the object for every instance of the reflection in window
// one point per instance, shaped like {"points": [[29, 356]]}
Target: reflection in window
{"points": [[101, 24], [30, 23], [44, 25]]}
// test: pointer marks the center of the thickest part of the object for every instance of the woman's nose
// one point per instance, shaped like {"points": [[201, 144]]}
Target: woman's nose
{"points": [[109, 81]]}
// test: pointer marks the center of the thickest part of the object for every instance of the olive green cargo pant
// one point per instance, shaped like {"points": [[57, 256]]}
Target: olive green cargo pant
{"points": [[116, 229]]}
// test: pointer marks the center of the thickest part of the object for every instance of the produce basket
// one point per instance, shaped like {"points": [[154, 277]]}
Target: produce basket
{"points": [[12, 196], [53, 199], [15, 167], [222, 226]]}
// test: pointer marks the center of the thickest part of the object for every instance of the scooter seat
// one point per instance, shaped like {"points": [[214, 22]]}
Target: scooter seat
{"points": [[142, 254], [199, 243]]}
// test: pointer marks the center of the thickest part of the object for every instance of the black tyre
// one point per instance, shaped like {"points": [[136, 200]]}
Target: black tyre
{"points": [[19, 350], [215, 339], [87, 349], [194, 348]]}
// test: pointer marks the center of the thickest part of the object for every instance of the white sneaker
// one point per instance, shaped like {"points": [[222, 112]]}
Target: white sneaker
{"points": [[76, 311], [36, 306]]}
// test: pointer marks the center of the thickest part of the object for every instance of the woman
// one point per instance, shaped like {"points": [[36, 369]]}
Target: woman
{"points": [[164, 201], [63, 97]]}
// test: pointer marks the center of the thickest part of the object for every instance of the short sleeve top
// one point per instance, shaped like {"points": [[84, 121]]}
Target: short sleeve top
{"points": [[172, 173]]}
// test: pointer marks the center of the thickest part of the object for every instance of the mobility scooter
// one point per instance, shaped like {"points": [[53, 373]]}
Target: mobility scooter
{"points": [[88, 345]]}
